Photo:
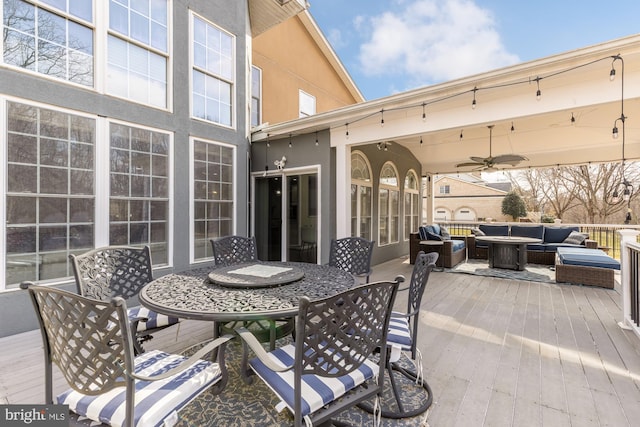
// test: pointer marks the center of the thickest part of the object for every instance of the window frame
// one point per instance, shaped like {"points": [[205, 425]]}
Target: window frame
{"points": [[389, 189], [192, 199], [257, 97], [304, 96], [231, 82], [413, 216], [359, 184]]}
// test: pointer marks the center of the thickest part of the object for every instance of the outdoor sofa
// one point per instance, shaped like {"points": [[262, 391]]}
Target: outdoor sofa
{"points": [[551, 238]]}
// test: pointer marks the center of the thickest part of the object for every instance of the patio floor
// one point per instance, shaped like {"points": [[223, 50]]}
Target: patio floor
{"points": [[496, 352]]}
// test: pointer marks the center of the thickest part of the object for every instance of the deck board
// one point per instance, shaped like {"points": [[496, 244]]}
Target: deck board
{"points": [[496, 352]]}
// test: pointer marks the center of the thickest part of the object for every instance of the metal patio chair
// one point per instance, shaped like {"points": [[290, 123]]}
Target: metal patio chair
{"points": [[230, 250], [403, 336], [120, 271], [352, 254], [90, 342], [330, 367]]}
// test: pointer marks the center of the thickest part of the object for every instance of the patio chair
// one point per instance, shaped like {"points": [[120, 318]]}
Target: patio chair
{"points": [[121, 271], [329, 367], [403, 336], [90, 342], [231, 250], [353, 255]]}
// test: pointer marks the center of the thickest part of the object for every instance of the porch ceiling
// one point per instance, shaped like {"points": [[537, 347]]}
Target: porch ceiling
{"points": [[575, 83]]}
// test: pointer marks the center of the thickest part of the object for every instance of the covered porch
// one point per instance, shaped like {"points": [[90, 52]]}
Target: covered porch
{"points": [[495, 352]]}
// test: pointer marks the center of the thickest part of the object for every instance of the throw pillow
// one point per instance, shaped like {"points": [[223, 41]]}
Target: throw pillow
{"points": [[445, 233], [433, 236], [575, 238], [477, 232]]}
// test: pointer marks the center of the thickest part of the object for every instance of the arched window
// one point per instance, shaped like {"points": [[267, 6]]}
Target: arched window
{"points": [[361, 196], [388, 205], [411, 204]]}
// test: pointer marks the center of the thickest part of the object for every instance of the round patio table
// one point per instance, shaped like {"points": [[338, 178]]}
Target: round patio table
{"points": [[192, 295]]}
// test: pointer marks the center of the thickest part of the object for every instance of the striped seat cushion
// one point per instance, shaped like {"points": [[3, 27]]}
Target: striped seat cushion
{"points": [[316, 391], [155, 320], [156, 402], [399, 333]]}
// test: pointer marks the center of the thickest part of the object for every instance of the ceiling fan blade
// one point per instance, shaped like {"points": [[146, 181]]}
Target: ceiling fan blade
{"points": [[510, 159], [478, 159], [467, 164]]}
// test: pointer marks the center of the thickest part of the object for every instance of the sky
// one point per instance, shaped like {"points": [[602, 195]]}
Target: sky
{"points": [[391, 46]]}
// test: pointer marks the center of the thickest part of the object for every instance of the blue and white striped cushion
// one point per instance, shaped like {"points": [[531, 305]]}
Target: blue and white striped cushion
{"points": [[399, 333], [316, 391], [155, 320], [156, 401]]}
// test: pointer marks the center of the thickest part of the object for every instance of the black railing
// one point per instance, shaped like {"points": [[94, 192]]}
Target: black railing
{"points": [[634, 283], [605, 234]]}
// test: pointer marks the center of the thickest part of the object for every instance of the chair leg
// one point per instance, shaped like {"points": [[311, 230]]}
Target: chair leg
{"points": [[401, 413]]}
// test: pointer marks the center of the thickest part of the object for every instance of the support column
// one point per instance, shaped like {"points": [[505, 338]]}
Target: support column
{"points": [[626, 237]]}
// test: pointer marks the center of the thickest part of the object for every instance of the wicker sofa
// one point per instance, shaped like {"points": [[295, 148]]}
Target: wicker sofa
{"points": [[551, 238], [451, 249]]}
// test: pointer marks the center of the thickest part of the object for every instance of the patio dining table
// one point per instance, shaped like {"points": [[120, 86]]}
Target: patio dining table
{"points": [[243, 292]]}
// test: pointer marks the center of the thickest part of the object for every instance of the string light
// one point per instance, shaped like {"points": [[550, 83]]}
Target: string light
{"points": [[538, 92], [290, 145], [424, 114], [512, 127], [347, 133], [420, 140], [382, 118], [573, 119], [473, 103], [268, 143], [460, 134], [316, 138]]}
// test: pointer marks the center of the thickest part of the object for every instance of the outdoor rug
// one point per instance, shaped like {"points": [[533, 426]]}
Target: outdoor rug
{"points": [[532, 272], [253, 405]]}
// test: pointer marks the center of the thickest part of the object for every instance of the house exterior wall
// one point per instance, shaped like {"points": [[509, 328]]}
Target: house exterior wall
{"points": [[291, 61], [482, 201], [18, 86]]}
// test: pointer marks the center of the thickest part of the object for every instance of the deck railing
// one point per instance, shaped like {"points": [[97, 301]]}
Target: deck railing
{"points": [[630, 280], [606, 235]]}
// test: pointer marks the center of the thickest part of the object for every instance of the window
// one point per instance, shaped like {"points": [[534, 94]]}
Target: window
{"points": [[444, 189], [138, 54], [307, 104], [50, 191], [213, 195], [388, 205], [139, 189], [361, 196], [213, 73], [256, 96], [57, 41], [411, 204]]}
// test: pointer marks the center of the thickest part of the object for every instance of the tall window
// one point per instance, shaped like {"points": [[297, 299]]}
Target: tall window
{"points": [[213, 73], [388, 205], [139, 189], [256, 96], [56, 41], [50, 191], [138, 52], [361, 199], [213, 195], [411, 204], [307, 104]]}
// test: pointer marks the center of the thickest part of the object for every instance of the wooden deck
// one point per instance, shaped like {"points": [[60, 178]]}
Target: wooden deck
{"points": [[496, 353]]}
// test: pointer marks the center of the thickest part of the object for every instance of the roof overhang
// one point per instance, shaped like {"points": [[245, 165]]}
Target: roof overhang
{"points": [[264, 14], [574, 84]]}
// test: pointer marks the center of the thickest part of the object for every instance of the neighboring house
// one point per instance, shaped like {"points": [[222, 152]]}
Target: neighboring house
{"points": [[467, 197], [123, 123]]}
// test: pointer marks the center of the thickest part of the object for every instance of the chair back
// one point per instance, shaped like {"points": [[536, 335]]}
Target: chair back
{"points": [[104, 273], [352, 254], [231, 250], [335, 335], [88, 340], [422, 268]]}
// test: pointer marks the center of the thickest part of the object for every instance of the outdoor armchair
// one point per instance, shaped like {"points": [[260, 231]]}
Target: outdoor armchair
{"points": [[120, 271], [90, 342], [330, 368]]}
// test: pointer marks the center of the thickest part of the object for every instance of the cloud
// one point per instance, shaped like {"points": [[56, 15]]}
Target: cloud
{"points": [[431, 41]]}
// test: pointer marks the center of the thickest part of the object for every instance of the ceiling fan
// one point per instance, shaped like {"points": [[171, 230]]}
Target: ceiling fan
{"points": [[488, 163]]}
